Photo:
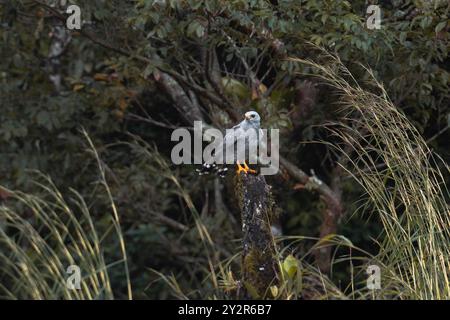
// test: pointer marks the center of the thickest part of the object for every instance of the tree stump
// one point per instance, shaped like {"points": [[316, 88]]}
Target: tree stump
{"points": [[259, 266]]}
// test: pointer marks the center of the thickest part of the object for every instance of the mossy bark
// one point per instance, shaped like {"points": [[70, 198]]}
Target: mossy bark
{"points": [[258, 257]]}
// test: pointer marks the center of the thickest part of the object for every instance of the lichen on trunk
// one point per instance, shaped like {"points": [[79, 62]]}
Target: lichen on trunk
{"points": [[258, 256]]}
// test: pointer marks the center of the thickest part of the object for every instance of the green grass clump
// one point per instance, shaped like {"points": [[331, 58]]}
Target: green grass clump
{"points": [[403, 186]]}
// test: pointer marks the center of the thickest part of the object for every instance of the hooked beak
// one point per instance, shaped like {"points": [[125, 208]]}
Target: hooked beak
{"points": [[247, 116]]}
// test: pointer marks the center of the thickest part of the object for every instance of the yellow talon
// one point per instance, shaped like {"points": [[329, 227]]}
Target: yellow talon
{"points": [[248, 169], [240, 168], [244, 168]]}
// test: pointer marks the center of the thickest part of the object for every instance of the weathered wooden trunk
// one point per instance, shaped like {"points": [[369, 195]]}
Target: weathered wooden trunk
{"points": [[259, 267]]}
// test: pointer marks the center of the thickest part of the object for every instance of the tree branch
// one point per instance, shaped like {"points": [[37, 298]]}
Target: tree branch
{"points": [[259, 264]]}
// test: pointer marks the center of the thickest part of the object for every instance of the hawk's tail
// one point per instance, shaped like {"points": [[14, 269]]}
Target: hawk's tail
{"points": [[208, 168]]}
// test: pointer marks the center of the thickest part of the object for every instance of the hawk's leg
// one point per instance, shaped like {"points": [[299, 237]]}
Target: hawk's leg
{"points": [[245, 168], [239, 168]]}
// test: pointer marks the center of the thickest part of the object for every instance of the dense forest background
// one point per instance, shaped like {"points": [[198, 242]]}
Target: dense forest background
{"points": [[93, 110]]}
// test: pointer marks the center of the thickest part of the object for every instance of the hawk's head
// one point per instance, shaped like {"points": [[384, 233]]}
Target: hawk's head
{"points": [[252, 117]]}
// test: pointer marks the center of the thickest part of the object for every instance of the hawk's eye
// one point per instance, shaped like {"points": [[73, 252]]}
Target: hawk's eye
{"points": [[252, 116]]}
